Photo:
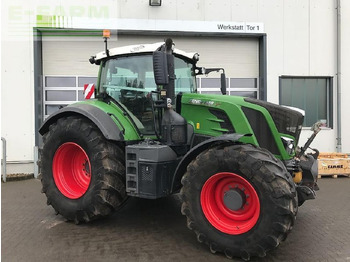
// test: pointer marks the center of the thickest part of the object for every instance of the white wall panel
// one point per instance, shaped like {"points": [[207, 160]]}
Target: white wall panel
{"points": [[245, 10], [296, 37], [275, 49], [127, 9], [17, 96], [323, 37], [214, 9], [17, 102], [345, 74], [190, 10]]}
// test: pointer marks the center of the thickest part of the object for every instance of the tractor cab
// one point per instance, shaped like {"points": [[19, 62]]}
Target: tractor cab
{"points": [[129, 80], [147, 81]]}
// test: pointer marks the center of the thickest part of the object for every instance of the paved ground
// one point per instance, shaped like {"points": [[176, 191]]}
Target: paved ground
{"points": [[146, 230]]}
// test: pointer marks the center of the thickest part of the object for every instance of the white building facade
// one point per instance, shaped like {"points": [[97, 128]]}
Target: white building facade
{"points": [[291, 52]]}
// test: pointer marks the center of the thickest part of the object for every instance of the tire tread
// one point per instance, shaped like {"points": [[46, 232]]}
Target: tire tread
{"points": [[109, 192], [250, 159]]}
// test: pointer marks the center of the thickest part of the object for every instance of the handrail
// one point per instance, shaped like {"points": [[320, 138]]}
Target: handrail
{"points": [[3, 160]]}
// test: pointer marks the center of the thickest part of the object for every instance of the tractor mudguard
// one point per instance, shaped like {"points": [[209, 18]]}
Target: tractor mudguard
{"points": [[100, 118], [191, 154]]}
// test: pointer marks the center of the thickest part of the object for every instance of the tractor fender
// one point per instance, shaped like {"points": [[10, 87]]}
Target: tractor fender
{"points": [[190, 155], [100, 118]]}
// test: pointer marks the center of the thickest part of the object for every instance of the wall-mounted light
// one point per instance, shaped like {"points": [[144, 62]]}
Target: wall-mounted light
{"points": [[155, 2]]}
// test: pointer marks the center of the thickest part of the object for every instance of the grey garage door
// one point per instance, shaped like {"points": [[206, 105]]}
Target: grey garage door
{"points": [[66, 68]]}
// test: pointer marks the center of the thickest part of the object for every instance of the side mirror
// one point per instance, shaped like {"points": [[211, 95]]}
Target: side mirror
{"points": [[160, 68], [223, 84], [206, 71]]}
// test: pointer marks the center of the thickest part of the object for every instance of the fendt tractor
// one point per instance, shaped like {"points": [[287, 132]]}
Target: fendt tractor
{"points": [[148, 134]]}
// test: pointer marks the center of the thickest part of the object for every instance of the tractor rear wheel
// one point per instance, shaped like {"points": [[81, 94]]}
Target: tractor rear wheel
{"points": [[239, 200], [83, 174]]}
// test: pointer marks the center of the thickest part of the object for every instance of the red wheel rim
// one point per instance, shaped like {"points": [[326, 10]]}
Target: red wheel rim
{"points": [[218, 209], [71, 170]]}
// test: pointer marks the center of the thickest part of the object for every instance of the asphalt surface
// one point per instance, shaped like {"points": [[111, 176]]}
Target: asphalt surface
{"points": [[155, 230]]}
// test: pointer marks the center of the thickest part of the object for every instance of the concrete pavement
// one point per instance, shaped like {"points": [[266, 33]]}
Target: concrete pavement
{"points": [[155, 230]]}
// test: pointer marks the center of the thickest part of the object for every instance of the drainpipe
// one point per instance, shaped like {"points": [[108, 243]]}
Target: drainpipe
{"points": [[4, 159], [339, 143], [36, 158]]}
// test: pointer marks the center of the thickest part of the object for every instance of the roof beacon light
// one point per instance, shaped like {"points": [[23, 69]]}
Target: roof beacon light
{"points": [[106, 35]]}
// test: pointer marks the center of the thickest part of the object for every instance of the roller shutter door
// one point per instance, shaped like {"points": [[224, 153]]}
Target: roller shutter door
{"points": [[66, 67]]}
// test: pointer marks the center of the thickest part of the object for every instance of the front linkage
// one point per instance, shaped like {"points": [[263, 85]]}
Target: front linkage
{"points": [[304, 168]]}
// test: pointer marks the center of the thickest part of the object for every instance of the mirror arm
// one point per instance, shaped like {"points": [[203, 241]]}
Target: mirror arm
{"points": [[206, 71]]}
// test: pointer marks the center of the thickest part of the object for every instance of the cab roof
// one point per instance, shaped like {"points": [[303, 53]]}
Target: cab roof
{"points": [[139, 49]]}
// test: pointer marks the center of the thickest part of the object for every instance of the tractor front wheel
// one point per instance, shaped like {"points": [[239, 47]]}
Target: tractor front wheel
{"points": [[83, 174], [239, 200]]}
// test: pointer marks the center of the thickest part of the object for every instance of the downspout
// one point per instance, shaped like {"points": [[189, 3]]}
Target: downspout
{"points": [[3, 160], [339, 143]]}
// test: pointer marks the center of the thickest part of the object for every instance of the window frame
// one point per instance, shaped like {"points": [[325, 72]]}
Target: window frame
{"points": [[329, 96]]}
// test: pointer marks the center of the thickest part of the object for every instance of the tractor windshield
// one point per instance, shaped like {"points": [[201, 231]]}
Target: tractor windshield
{"points": [[130, 81], [135, 73]]}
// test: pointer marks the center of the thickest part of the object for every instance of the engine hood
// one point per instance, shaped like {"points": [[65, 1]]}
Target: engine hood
{"points": [[268, 123]]}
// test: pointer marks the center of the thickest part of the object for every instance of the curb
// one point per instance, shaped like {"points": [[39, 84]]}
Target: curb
{"points": [[18, 177]]}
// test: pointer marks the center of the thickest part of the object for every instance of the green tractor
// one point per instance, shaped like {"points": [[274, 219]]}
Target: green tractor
{"points": [[149, 134]]}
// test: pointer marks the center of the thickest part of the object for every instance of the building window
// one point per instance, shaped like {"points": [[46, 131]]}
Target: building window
{"points": [[312, 94]]}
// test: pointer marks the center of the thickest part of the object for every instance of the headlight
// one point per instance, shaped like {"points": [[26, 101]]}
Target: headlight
{"points": [[288, 144]]}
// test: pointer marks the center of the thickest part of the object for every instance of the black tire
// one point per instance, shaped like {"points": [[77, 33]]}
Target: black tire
{"points": [[258, 169], [104, 191]]}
